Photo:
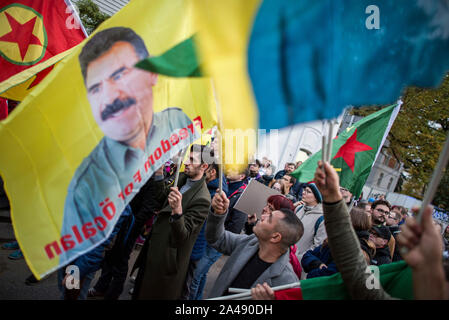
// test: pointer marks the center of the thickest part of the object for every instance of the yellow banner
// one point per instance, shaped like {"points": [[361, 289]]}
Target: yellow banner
{"points": [[80, 145], [224, 29]]}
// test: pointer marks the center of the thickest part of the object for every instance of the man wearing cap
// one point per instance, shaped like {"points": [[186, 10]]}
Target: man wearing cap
{"points": [[380, 236], [311, 215]]}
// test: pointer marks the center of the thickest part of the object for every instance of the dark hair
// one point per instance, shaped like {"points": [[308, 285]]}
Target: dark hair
{"points": [[292, 179], [290, 164], [380, 202], [206, 152], [290, 227], [280, 202], [363, 204], [214, 166], [360, 220], [102, 41], [402, 209]]}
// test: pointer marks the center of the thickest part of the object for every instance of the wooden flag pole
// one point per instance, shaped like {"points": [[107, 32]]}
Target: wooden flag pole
{"points": [[436, 178], [220, 141], [178, 166], [329, 141], [323, 143]]}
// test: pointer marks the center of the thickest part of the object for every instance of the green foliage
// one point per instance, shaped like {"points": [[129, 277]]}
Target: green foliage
{"points": [[90, 15], [417, 138]]}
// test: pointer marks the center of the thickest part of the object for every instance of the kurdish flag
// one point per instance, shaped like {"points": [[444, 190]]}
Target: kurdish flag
{"points": [[94, 131], [355, 150], [34, 35]]}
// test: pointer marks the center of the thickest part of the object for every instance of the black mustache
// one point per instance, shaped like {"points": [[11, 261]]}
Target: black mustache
{"points": [[116, 106]]}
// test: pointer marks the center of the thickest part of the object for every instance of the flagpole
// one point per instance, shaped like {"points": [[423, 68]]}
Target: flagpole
{"points": [[178, 166], [323, 143], [220, 140], [436, 178], [329, 141], [247, 294]]}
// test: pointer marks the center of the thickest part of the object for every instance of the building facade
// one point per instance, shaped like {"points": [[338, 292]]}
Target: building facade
{"points": [[110, 7]]}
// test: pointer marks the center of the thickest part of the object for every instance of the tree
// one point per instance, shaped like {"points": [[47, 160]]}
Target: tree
{"points": [[417, 138], [90, 15]]}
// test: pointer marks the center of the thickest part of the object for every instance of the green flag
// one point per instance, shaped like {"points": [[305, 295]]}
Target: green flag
{"points": [[179, 61], [395, 279], [354, 150]]}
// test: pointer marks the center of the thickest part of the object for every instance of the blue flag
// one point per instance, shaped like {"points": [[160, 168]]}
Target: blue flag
{"points": [[310, 59]]}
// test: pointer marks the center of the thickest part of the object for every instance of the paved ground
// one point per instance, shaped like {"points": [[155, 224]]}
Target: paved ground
{"points": [[14, 272]]}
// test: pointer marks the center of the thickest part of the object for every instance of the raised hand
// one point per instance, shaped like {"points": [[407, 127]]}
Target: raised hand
{"points": [[328, 182], [252, 218], [423, 242], [220, 203], [175, 200]]}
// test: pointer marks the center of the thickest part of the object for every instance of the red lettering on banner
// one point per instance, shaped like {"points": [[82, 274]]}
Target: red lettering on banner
{"points": [[156, 153], [165, 145], [183, 133], [89, 232], [147, 165], [198, 119], [137, 177], [109, 207], [67, 244], [77, 234], [103, 223], [55, 247], [129, 189], [190, 126], [174, 139]]}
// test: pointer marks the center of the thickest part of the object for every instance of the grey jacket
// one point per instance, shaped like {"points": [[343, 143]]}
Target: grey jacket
{"points": [[309, 239], [240, 248], [347, 254]]}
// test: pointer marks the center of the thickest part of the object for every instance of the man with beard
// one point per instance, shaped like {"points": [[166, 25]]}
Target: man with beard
{"points": [[262, 257], [164, 259], [136, 140], [380, 233]]}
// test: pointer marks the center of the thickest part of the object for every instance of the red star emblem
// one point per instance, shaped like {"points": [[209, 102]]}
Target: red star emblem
{"points": [[349, 149], [22, 34]]}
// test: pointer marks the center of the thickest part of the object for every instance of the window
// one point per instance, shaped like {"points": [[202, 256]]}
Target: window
{"points": [[392, 163], [389, 183], [379, 181]]}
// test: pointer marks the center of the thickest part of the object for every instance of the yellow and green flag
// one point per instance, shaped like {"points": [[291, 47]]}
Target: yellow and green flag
{"points": [[71, 160]]}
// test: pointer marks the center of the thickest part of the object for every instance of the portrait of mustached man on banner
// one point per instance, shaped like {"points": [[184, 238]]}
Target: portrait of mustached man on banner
{"points": [[136, 142]]}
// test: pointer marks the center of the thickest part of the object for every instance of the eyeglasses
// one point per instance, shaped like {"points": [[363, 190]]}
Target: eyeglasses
{"points": [[383, 211]]}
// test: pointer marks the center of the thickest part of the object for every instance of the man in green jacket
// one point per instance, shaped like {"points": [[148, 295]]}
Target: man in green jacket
{"points": [[166, 253]]}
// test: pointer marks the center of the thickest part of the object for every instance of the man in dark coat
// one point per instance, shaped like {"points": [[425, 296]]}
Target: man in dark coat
{"points": [[166, 253]]}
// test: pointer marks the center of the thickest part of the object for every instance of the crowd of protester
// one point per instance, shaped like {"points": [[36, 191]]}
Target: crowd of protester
{"points": [[183, 230]]}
